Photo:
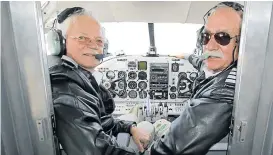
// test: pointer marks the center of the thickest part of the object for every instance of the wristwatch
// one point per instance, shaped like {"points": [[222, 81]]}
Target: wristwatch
{"points": [[133, 125]]}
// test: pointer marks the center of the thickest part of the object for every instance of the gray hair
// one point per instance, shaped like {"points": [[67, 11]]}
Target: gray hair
{"points": [[70, 19], [221, 6]]}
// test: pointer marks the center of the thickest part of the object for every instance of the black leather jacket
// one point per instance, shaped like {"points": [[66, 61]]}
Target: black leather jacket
{"points": [[206, 117], [83, 113]]}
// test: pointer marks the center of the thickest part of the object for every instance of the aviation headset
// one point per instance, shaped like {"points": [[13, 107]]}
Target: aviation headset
{"points": [[55, 39], [199, 45], [233, 5]]}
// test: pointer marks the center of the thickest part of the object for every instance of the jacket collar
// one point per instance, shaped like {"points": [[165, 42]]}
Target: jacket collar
{"points": [[70, 60], [209, 73], [73, 64]]}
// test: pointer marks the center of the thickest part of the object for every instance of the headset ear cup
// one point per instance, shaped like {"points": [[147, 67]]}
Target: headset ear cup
{"points": [[53, 42], [62, 43], [199, 42]]}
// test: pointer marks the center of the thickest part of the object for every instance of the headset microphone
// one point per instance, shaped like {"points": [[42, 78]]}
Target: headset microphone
{"points": [[99, 56]]}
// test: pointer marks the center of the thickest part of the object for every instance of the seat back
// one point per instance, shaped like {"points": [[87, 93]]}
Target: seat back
{"points": [[53, 60]]}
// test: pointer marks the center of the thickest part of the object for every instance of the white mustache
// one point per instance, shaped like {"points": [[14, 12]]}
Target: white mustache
{"points": [[216, 54]]}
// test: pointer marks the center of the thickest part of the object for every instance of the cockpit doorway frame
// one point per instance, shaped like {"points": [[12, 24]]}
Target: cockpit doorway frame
{"points": [[26, 102], [26, 94], [253, 112]]}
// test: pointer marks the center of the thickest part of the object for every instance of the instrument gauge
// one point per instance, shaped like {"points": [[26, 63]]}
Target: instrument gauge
{"points": [[193, 76], [110, 75], [122, 74], [183, 74], [132, 75], [142, 85]]}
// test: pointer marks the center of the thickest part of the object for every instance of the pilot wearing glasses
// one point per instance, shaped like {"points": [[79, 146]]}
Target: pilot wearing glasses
{"points": [[207, 116], [83, 108]]}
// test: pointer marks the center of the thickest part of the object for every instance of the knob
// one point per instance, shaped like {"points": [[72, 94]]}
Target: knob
{"points": [[160, 104], [156, 110], [107, 85]]}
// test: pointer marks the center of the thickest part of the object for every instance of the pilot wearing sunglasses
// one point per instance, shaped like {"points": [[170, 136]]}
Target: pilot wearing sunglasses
{"points": [[207, 115]]}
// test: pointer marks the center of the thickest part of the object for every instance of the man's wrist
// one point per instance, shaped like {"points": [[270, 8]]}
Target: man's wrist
{"points": [[132, 127]]}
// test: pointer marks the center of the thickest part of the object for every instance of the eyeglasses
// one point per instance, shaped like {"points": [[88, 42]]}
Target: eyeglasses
{"points": [[87, 41], [234, 5], [221, 38]]}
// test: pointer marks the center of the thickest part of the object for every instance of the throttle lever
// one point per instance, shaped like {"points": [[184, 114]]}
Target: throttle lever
{"points": [[119, 79], [112, 91]]}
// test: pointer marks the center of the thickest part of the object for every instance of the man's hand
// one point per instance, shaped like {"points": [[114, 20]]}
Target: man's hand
{"points": [[181, 56], [141, 137]]}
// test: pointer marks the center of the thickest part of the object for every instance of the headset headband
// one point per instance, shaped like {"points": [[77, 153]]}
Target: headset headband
{"points": [[236, 6], [67, 12]]}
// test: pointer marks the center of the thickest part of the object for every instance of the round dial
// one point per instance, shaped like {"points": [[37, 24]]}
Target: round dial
{"points": [[142, 75], [182, 74], [132, 85], [132, 94], [107, 85], [142, 85], [193, 76], [121, 74], [121, 85], [154, 77], [132, 75], [173, 96], [110, 74], [173, 89]]}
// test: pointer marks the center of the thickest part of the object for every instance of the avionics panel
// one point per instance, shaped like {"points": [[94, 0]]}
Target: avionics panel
{"points": [[156, 83], [159, 75]]}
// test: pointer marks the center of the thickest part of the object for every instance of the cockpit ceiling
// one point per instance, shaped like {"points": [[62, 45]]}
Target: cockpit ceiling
{"points": [[137, 11]]}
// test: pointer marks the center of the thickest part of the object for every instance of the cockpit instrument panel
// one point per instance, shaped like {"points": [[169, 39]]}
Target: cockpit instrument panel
{"points": [[160, 84]]}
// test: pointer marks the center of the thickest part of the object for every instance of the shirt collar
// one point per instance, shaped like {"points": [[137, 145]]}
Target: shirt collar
{"points": [[209, 73]]}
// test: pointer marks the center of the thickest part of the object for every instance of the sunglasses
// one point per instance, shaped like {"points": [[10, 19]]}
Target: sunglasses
{"points": [[221, 38]]}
